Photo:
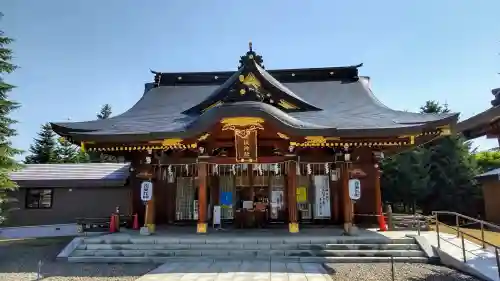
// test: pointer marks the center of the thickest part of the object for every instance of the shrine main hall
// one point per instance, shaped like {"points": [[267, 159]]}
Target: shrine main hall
{"points": [[264, 148]]}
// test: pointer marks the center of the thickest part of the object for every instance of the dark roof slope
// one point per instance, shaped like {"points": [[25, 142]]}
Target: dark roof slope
{"points": [[349, 109]]}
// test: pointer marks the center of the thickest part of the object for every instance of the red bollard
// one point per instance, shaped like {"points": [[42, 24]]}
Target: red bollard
{"points": [[381, 220], [112, 224], [135, 225]]}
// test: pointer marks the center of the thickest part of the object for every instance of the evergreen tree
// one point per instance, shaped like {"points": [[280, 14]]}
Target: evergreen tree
{"points": [[452, 184], [82, 157], [45, 149], [434, 107], [105, 112], [405, 178], [67, 152], [7, 152], [435, 176]]}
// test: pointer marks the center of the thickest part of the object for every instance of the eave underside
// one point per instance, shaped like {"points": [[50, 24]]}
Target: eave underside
{"points": [[485, 123]]}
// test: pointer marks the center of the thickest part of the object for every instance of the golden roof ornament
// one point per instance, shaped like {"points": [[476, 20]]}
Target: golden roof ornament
{"points": [[250, 56]]}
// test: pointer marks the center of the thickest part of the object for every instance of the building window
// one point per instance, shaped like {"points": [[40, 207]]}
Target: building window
{"points": [[39, 198]]}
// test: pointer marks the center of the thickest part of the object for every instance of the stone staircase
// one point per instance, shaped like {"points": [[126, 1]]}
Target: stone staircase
{"points": [[136, 249]]}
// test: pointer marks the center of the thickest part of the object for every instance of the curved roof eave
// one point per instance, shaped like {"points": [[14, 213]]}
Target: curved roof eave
{"points": [[67, 128], [478, 120], [282, 121]]}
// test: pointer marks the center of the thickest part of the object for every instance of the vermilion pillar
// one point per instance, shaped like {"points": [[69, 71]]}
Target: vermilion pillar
{"points": [[202, 198], [293, 225], [150, 214], [378, 192], [346, 200]]}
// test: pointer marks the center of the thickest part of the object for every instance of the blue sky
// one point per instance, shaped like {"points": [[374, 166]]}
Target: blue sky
{"points": [[75, 56]]}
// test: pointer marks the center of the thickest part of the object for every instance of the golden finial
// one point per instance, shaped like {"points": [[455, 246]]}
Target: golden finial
{"points": [[250, 46]]}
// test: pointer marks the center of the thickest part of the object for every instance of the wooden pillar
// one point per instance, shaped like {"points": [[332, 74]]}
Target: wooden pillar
{"points": [[172, 193], [291, 186], [378, 192], [150, 214], [346, 200], [202, 198], [334, 198]]}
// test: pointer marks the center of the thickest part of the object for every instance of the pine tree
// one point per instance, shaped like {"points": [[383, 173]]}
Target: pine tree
{"points": [[67, 152], [436, 176], [7, 152], [105, 112], [452, 170], [434, 107], [45, 149]]}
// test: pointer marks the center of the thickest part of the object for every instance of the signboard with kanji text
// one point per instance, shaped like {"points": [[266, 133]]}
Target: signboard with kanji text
{"points": [[354, 189], [146, 190], [245, 141]]}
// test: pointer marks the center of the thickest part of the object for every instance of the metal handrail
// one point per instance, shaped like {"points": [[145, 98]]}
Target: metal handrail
{"points": [[482, 223]]}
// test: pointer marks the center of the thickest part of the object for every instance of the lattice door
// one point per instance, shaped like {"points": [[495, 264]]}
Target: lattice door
{"points": [[277, 186], [184, 201]]}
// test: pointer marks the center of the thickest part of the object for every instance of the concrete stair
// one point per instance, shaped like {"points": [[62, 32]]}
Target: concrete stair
{"points": [[130, 249]]}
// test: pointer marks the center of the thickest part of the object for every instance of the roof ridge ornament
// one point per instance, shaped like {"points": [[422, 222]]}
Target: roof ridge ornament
{"points": [[251, 56]]}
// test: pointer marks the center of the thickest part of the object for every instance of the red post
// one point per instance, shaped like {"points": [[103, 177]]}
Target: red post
{"points": [[135, 225], [112, 224], [381, 220]]}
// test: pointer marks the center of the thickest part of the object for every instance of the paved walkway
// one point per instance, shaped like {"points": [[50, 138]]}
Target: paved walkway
{"points": [[477, 259], [238, 271]]}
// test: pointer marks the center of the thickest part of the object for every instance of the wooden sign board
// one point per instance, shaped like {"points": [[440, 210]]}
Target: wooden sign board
{"points": [[357, 173], [245, 141], [145, 175]]}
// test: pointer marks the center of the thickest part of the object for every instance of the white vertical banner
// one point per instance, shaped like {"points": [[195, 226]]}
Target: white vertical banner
{"points": [[195, 209], [217, 216], [322, 197]]}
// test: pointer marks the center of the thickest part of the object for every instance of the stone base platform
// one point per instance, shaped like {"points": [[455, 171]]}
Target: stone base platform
{"points": [[181, 244]]}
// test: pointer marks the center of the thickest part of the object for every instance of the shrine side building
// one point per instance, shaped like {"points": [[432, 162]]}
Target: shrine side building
{"points": [[487, 123], [272, 147]]}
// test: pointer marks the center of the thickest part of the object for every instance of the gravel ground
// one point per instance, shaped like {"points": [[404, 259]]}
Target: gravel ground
{"points": [[403, 271], [19, 259]]}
